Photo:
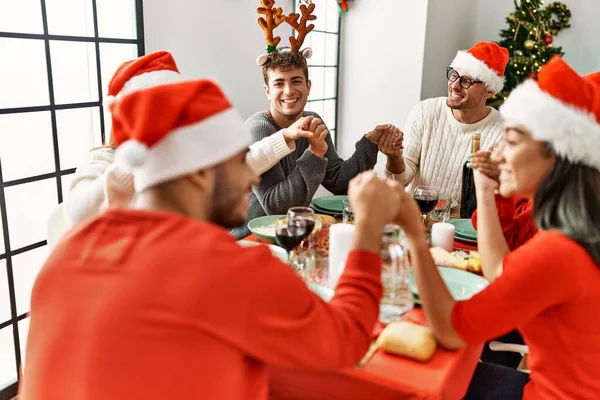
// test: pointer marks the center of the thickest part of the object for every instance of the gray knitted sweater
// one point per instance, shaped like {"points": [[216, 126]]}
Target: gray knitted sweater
{"points": [[296, 178]]}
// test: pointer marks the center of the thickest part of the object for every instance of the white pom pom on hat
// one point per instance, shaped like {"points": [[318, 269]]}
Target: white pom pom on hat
{"points": [[132, 153]]}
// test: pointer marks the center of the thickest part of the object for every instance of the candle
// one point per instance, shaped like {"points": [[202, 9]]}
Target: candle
{"points": [[340, 244], [442, 235]]}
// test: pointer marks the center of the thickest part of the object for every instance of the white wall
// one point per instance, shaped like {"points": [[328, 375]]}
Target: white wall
{"points": [[203, 45], [449, 29], [381, 66], [581, 42]]}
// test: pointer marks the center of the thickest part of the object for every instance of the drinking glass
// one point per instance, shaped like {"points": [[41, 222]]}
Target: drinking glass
{"points": [[397, 298], [427, 197], [441, 211], [305, 258], [347, 214], [289, 233]]}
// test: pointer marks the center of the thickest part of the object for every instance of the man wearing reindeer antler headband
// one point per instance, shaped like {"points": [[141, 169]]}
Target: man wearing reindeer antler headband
{"points": [[296, 178]]}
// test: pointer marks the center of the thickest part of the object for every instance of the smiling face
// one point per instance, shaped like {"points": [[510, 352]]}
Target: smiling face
{"points": [[460, 98], [523, 161], [287, 92]]}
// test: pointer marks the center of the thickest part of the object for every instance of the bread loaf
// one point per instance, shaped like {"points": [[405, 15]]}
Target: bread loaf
{"points": [[407, 339]]}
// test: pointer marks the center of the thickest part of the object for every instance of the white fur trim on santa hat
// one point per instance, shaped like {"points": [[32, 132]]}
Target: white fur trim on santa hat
{"points": [[478, 70], [132, 153], [150, 79], [573, 133], [192, 148]]}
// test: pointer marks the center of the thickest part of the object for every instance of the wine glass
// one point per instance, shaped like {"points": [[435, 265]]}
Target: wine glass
{"points": [[289, 233], [427, 197], [306, 213]]}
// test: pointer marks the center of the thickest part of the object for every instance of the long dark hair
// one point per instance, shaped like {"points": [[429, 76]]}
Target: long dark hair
{"points": [[568, 200]]}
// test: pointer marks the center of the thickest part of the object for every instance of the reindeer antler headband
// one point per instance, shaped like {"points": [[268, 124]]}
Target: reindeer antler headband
{"points": [[273, 17]]}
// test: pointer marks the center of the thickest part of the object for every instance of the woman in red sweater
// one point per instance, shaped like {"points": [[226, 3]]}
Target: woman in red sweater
{"points": [[548, 288]]}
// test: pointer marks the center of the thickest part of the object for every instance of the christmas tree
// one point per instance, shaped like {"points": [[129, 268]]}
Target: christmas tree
{"points": [[528, 38]]}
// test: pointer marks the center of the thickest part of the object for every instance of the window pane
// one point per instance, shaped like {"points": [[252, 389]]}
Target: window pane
{"points": [[332, 16], [23, 332], [111, 56], [76, 131], [329, 113], [332, 135], [116, 19], [331, 49], [26, 144], [24, 80], [317, 78], [316, 106], [320, 10], [25, 16], [330, 83], [70, 17], [317, 44], [66, 184], [29, 206], [74, 72], [4, 298], [8, 365], [25, 269]]}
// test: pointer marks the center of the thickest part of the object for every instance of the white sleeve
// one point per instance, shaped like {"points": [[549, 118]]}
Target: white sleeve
{"points": [[264, 154], [413, 136], [87, 190]]}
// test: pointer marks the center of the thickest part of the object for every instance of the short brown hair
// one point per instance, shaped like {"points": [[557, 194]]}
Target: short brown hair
{"points": [[285, 61]]}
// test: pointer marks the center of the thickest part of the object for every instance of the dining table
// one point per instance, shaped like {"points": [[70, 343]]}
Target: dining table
{"points": [[383, 376]]}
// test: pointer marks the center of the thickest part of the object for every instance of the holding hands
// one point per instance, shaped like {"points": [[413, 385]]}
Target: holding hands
{"points": [[485, 171], [316, 143]]}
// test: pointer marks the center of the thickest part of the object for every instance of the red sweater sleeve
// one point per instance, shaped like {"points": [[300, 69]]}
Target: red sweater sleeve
{"points": [[516, 220], [287, 324], [534, 278]]}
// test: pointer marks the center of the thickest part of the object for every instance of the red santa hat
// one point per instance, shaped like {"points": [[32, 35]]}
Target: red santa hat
{"points": [[485, 61], [561, 108], [143, 72], [172, 130]]}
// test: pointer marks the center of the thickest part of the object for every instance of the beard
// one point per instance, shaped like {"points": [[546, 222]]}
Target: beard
{"points": [[464, 103], [226, 201]]}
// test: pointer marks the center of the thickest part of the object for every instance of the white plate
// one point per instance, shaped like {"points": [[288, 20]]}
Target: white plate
{"points": [[276, 250], [461, 284]]}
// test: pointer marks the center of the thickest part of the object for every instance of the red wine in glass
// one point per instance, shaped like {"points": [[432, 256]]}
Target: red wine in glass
{"points": [[426, 203], [289, 233], [310, 225]]}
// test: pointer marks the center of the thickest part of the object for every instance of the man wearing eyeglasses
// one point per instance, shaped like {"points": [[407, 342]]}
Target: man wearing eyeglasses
{"points": [[437, 134]]}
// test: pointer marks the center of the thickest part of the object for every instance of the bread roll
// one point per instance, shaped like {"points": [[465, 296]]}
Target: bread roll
{"points": [[407, 339]]}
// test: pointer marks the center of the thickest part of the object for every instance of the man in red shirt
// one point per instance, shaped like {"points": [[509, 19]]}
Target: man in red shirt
{"points": [[160, 301]]}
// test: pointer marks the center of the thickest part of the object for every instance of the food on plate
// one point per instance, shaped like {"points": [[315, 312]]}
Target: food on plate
{"points": [[267, 230], [458, 259], [407, 339], [325, 220]]}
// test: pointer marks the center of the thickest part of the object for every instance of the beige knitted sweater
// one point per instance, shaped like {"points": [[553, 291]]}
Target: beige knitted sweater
{"points": [[436, 145]]}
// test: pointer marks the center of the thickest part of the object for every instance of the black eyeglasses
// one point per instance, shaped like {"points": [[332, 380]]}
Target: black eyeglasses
{"points": [[465, 81]]}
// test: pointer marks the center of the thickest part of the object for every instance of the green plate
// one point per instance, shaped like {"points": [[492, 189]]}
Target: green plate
{"points": [[461, 284], [330, 203], [276, 250], [463, 229], [264, 227], [324, 292], [326, 212]]}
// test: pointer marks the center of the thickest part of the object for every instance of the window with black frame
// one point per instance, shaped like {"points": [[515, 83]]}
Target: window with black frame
{"points": [[58, 56], [324, 40]]}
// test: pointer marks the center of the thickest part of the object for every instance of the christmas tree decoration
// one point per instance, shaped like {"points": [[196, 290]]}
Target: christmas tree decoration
{"points": [[529, 38], [528, 45], [343, 6]]}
